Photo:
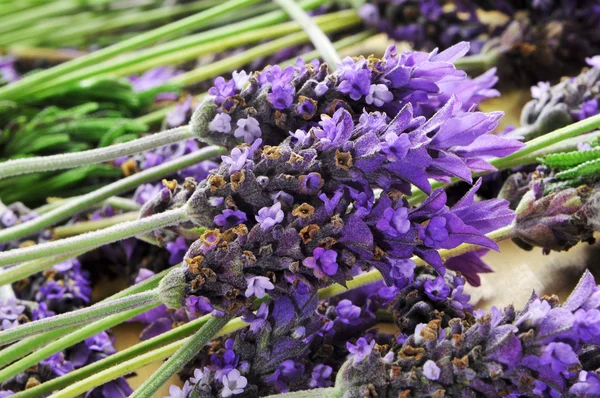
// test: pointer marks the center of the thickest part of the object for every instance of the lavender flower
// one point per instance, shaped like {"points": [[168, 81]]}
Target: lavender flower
{"points": [[556, 220], [496, 355], [274, 101]]}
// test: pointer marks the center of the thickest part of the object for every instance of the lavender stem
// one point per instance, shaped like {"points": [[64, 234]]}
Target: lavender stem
{"points": [[92, 240], [316, 35], [85, 201], [76, 159], [79, 317]]}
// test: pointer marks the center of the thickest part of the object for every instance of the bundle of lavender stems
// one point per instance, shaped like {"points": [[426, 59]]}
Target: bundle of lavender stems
{"points": [[284, 222]]}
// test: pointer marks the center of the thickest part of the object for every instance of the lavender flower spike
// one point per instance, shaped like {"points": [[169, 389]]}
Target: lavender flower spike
{"points": [[534, 352], [333, 226]]}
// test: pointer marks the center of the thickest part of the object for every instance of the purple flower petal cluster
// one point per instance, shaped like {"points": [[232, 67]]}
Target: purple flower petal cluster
{"points": [[275, 101], [333, 227], [501, 353]]}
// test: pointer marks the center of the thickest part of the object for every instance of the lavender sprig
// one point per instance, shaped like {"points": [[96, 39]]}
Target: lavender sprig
{"points": [[534, 351]]}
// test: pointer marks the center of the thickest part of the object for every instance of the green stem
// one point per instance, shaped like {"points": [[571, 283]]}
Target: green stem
{"points": [[338, 45], [546, 140], [85, 201], [316, 35], [197, 75], [22, 88], [25, 18], [131, 352], [24, 270], [87, 226], [70, 340], [92, 156], [114, 202], [225, 43], [181, 357], [92, 240], [26, 346], [478, 62], [211, 36], [73, 34], [129, 366], [563, 146], [79, 317]]}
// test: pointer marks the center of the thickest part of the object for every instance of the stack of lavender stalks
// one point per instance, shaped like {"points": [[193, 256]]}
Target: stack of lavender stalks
{"points": [[268, 237]]}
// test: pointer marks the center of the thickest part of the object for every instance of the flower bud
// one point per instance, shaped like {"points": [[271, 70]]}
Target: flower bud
{"points": [[172, 287]]}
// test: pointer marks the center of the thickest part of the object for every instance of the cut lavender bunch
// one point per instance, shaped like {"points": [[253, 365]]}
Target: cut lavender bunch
{"points": [[532, 352], [406, 151]]}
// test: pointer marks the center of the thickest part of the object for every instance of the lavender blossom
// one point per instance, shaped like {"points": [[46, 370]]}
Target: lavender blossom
{"points": [[558, 219], [498, 355], [273, 102], [553, 107], [322, 238]]}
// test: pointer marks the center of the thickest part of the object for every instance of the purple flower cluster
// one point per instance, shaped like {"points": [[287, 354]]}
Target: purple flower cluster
{"points": [[303, 214], [274, 102], [297, 343], [538, 351], [425, 24], [554, 216]]}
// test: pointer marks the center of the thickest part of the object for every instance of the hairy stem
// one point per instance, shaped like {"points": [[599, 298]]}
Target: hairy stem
{"points": [[181, 357], [546, 140], [92, 240], [131, 352], [93, 225], [330, 392], [86, 201], [24, 270], [79, 317], [136, 363], [28, 345], [69, 160], [70, 340], [316, 35]]}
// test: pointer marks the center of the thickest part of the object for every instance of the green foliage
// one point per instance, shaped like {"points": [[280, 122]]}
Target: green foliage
{"points": [[94, 113], [564, 161], [587, 169]]}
